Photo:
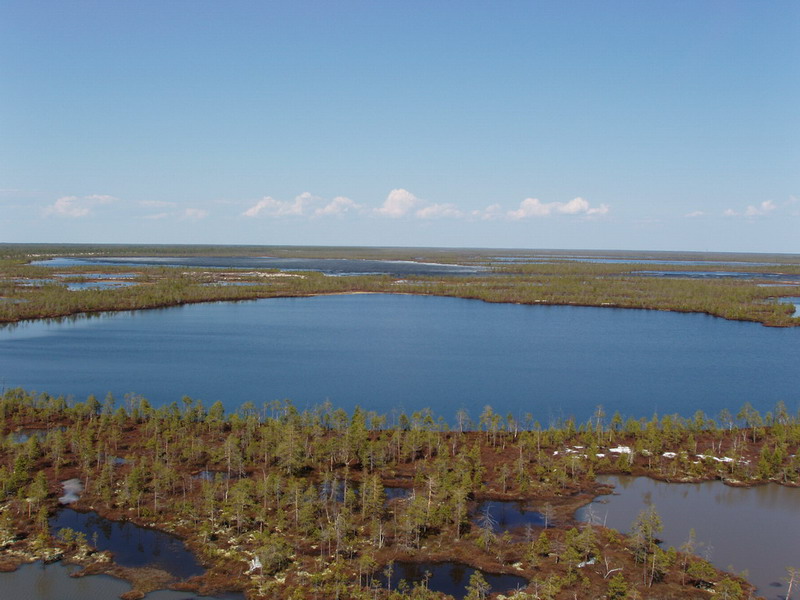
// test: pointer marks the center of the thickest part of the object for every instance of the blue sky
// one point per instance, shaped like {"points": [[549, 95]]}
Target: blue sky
{"points": [[631, 125]]}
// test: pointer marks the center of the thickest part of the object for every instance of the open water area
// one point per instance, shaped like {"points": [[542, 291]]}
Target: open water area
{"points": [[36, 581], [448, 577], [392, 353], [755, 529], [132, 545], [328, 266]]}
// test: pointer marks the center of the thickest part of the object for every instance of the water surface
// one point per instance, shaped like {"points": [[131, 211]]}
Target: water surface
{"points": [[509, 516], [53, 582], [449, 577], [329, 266], [389, 353], [132, 545], [755, 529]]}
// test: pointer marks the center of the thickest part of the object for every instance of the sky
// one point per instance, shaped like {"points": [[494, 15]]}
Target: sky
{"points": [[659, 125]]}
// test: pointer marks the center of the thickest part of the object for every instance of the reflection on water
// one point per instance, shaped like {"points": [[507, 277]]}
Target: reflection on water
{"points": [[754, 529], [448, 577], [52, 582], [23, 435], [509, 515], [395, 353], [133, 546]]}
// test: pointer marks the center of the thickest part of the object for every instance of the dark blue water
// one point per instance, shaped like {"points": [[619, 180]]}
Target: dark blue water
{"points": [[390, 353], [449, 577], [133, 546], [509, 516]]}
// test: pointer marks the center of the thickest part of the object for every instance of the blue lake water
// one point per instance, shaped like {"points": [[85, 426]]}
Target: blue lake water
{"points": [[396, 352]]}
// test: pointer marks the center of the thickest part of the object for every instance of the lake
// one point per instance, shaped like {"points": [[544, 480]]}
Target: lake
{"points": [[397, 352], [755, 529]]}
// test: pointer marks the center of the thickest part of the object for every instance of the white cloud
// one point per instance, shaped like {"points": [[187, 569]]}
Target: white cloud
{"points": [[753, 210], [270, 207], [764, 208], [337, 206], [194, 214], [533, 207], [439, 211], [398, 203], [490, 213], [695, 213], [77, 206]]}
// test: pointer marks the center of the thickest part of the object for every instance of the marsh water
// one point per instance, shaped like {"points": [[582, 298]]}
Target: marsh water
{"points": [[504, 515], [53, 582], [754, 529], [391, 353], [328, 266], [792, 300], [448, 577], [132, 545]]}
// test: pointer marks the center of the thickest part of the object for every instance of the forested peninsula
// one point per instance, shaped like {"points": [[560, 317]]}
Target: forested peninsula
{"points": [[526, 277], [280, 503]]}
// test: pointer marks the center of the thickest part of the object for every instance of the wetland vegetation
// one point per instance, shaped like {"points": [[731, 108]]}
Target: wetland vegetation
{"points": [[278, 502], [614, 279], [298, 506]]}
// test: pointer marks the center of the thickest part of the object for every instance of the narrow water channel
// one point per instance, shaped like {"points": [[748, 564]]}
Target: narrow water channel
{"points": [[738, 529]]}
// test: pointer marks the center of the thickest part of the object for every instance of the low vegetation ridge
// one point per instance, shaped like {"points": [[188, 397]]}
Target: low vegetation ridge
{"points": [[35, 292], [295, 504]]}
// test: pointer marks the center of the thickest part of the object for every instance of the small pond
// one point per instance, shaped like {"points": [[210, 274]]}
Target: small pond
{"points": [[755, 529], [448, 577], [792, 300], [53, 582], [23, 435], [132, 545], [76, 286], [336, 490], [508, 516], [207, 475]]}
